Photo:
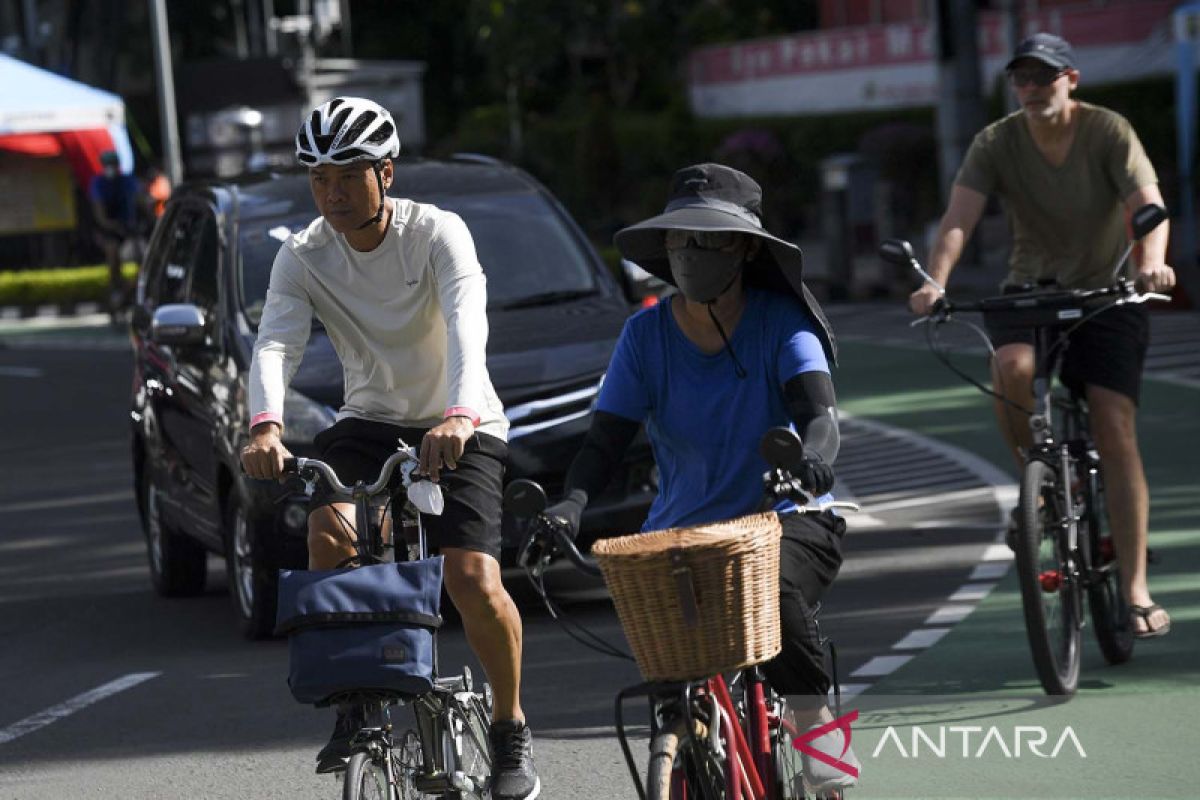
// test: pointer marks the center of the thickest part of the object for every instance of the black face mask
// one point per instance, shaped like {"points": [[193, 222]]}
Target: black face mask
{"points": [[703, 275]]}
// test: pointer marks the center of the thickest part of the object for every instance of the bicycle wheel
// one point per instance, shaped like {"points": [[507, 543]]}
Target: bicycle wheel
{"points": [[785, 757], [702, 771], [407, 763], [1110, 612], [1049, 590], [664, 748], [468, 728], [684, 765], [366, 777]]}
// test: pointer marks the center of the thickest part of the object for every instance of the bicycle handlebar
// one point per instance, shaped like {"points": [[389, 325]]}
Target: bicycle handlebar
{"points": [[534, 556], [404, 456]]}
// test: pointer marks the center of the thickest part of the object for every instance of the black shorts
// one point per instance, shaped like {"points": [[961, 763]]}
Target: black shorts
{"points": [[810, 555], [1109, 350], [357, 448]]}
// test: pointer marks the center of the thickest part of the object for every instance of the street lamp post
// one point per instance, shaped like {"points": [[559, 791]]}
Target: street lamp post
{"points": [[172, 162]]}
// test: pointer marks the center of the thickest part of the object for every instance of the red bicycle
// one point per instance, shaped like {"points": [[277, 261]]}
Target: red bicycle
{"points": [[723, 737]]}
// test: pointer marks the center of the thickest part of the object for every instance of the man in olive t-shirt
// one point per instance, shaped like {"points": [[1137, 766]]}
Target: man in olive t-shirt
{"points": [[1067, 172]]}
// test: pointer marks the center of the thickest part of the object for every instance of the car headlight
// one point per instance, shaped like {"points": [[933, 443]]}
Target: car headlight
{"points": [[304, 418]]}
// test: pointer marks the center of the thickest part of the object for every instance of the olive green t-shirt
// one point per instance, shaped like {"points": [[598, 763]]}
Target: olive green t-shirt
{"points": [[1067, 222]]}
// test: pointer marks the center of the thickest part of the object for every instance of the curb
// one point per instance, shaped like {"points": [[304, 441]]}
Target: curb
{"points": [[56, 310]]}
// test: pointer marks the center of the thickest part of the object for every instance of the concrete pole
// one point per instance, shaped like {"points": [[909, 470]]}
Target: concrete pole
{"points": [[1012, 35], [172, 160], [960, 104]]}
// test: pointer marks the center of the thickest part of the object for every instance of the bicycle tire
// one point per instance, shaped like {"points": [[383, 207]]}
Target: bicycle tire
{"points": [[1052, 617], [1110, 612], [664, 748], [366, 777]]}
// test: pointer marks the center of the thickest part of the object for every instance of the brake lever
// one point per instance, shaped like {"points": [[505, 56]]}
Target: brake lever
{"points": [[537, 549]]}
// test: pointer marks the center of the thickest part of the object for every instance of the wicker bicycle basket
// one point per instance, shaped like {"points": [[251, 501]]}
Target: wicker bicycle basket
{"points": [[697, 601]]}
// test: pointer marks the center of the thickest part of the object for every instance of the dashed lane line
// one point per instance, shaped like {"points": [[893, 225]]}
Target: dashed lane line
{"points": [[69, 707]]}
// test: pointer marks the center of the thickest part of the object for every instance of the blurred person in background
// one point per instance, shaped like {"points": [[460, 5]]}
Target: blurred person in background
{"points": [[114, 197], [157, 190]]}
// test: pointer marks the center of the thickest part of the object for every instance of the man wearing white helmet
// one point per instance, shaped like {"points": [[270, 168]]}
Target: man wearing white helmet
{"points": [[399, 288]]}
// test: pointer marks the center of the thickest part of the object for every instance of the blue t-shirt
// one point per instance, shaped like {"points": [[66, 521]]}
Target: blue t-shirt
{"points": [[704, 422], [118, 196]]}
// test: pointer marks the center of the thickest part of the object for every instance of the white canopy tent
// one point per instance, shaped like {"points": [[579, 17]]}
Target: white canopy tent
{"points": [[34, 100]]}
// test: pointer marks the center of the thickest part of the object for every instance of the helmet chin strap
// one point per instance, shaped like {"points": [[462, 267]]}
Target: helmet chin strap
{"points": [[377, 166]]}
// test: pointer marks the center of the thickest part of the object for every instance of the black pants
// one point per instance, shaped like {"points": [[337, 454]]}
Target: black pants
{"points": [[810, 555]]}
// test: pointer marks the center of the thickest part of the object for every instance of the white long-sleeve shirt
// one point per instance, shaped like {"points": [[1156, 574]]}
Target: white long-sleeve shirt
{"points": [[408, 321]]}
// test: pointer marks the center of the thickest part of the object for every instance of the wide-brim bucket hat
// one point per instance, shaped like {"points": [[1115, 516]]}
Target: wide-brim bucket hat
{"points": [[714, 197]]}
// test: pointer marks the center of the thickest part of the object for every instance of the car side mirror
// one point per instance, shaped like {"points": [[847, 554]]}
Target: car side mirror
{"points": [[781, 448], [524, 498], [1147, 218], [180, 324]]}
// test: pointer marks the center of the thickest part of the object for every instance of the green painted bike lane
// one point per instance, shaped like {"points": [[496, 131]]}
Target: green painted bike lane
{"points": [[967, 718]]}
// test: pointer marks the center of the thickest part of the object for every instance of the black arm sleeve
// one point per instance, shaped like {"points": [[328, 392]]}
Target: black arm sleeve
{"points": [[603, 447], [812, 406]]}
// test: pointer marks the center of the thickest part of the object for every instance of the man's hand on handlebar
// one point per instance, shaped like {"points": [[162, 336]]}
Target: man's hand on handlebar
{"points": [[263, 457], [923, 300], [1155, 278]]}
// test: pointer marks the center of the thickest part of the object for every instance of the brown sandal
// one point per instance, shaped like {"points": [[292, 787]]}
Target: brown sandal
{"points": [[1144, 612]]}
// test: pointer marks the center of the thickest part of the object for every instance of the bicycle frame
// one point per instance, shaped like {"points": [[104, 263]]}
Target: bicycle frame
{"points": [[432, 709], [1041, 424], [748, 772]]}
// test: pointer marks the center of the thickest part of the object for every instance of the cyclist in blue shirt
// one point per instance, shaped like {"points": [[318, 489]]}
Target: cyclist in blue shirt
{"points": [[114, 196], [742, 347]]}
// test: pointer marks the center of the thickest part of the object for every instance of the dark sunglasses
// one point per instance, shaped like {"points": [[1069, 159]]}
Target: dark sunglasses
{"points": [[1038, 76], [706, 240]]}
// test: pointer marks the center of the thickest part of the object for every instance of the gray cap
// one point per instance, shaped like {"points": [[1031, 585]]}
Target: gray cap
{"points": [[1047, 48]]}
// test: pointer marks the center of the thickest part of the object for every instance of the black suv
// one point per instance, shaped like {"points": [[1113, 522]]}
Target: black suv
{"points": [[554, 312]]}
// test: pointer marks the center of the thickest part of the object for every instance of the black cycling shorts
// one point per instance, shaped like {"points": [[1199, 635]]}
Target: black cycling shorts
{"points": [[1109, 350], [357, 449]]}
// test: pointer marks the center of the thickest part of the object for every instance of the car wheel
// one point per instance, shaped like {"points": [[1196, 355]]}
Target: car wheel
{"points": [[178, 565], [251, 568]]}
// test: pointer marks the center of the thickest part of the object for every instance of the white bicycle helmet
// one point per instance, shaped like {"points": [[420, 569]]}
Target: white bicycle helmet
{"points": [[347, 129]]}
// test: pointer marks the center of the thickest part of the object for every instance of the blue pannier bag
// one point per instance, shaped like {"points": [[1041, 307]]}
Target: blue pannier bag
{"points": [[364, 629]]}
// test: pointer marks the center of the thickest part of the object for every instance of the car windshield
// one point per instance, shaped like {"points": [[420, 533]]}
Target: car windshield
{"points": [[528, 253]]}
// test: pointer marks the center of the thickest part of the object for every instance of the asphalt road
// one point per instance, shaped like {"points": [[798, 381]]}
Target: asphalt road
{"points": [[108, 691]]}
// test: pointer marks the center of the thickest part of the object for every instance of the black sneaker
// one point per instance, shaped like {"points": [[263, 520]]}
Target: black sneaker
{"points": [[337, 752], [513, 774]]}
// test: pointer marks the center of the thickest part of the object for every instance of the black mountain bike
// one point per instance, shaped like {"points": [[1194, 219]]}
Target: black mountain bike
{"points": [[447, 754], [1063, 549]]}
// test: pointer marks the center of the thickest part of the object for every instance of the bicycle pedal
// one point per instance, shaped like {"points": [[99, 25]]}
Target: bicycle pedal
{"points": [[434, 783]]}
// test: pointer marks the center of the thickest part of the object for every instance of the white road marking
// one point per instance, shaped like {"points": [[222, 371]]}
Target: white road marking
{"points": [[971, 592], [880, 666], [921, 638], [948, 614], [65, 709], [21, 372], [989, 572], [63, 502], [997, 552], [849, 690]]}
